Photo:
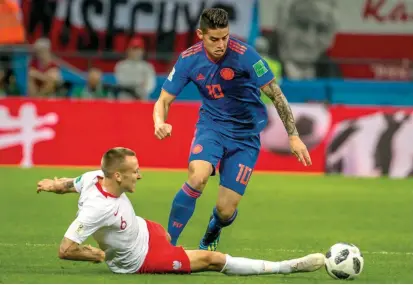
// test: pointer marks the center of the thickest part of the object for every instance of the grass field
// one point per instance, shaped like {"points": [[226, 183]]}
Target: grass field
{"points": [[280, 217]]}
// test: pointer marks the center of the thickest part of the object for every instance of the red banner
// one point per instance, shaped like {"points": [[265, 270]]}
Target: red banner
{"points": [[357, 141], [107, 25], [69, 132]]}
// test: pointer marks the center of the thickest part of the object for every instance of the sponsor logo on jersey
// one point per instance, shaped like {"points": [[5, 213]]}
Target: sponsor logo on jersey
{"points": [[200, 77], [176, 265]]}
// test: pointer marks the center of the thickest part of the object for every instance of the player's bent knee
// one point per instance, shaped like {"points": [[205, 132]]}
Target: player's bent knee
{"points": [[199, 172], [225, 211], [217, 260], [197, 181]]}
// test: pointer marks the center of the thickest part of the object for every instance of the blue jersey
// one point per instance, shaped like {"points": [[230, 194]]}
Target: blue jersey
{"points": [[230, 87]]}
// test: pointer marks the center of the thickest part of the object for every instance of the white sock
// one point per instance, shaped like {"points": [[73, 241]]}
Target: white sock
{"points": [[246, 266]]}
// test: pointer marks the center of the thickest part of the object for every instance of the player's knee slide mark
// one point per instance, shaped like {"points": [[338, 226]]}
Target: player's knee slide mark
{"points": [[227, 222]]}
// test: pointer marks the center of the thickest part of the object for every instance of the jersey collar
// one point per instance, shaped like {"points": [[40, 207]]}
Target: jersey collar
{"points": [[104, 193]]}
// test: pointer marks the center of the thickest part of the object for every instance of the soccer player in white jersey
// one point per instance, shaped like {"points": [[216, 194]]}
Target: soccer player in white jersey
{"points": [[131, 244]]}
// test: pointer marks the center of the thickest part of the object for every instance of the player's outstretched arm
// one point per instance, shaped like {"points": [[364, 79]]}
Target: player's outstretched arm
{"points": [[71, 250], [273, 91], [56, 185], [160, 114]]}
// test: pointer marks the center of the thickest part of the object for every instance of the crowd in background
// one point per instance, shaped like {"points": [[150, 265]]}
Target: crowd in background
{"points": [[135, 77], [296, 50]]}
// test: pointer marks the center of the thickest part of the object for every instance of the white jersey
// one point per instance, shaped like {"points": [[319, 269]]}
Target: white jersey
{"points": [[112, 222]]}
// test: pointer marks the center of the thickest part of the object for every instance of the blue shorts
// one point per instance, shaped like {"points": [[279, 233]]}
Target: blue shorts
{"points": [[236, 157]]}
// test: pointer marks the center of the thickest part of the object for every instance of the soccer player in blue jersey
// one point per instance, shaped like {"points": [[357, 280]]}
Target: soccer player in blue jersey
{"points": [[229, 75]]}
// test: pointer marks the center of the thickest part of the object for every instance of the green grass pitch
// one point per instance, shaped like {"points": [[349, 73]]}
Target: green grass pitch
{"points": [[280, 217]]}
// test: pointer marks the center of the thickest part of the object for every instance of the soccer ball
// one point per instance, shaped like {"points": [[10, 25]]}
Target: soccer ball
{"points": [[344, 261]]}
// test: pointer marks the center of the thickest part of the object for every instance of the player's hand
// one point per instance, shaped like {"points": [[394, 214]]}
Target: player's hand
{"points": [[100, 254], [102, 257], [163, 130], [46, 185], [299, 149]]}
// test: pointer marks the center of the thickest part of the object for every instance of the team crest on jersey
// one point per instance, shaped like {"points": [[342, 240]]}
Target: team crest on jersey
{"points": [[227, 73], [197, 149], [176, 265]]}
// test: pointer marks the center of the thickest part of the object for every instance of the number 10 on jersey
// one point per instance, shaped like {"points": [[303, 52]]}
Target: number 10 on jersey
{"points": [[215, 91]]}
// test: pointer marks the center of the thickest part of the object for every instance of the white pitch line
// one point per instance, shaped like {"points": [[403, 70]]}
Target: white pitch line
{"points": [[28, 244]]}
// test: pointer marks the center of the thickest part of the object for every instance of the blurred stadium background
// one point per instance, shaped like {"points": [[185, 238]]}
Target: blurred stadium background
{"points": [[72, 71]]}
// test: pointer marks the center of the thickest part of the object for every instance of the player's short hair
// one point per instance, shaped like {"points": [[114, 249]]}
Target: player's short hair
{"points": [[113, 160], [213, 18]]}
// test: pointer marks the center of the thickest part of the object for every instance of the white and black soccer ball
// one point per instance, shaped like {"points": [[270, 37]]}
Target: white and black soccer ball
{"points": [[344, 261]]}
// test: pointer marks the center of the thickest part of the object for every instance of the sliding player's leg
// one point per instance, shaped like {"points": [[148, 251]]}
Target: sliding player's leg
{"points": [[162, 257], [201, 260]]}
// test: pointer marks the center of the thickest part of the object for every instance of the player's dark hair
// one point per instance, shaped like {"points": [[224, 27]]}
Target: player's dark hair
{"points": [[213, 18], [113, 159], [94, 68]]}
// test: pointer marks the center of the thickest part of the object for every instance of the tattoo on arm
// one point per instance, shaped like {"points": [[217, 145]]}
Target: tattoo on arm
{"points": [[65, 185], [68, 185], [273, 91]]}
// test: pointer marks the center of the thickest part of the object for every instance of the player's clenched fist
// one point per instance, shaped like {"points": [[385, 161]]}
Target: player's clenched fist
{"points": [[163, 130], [46, 185]]}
